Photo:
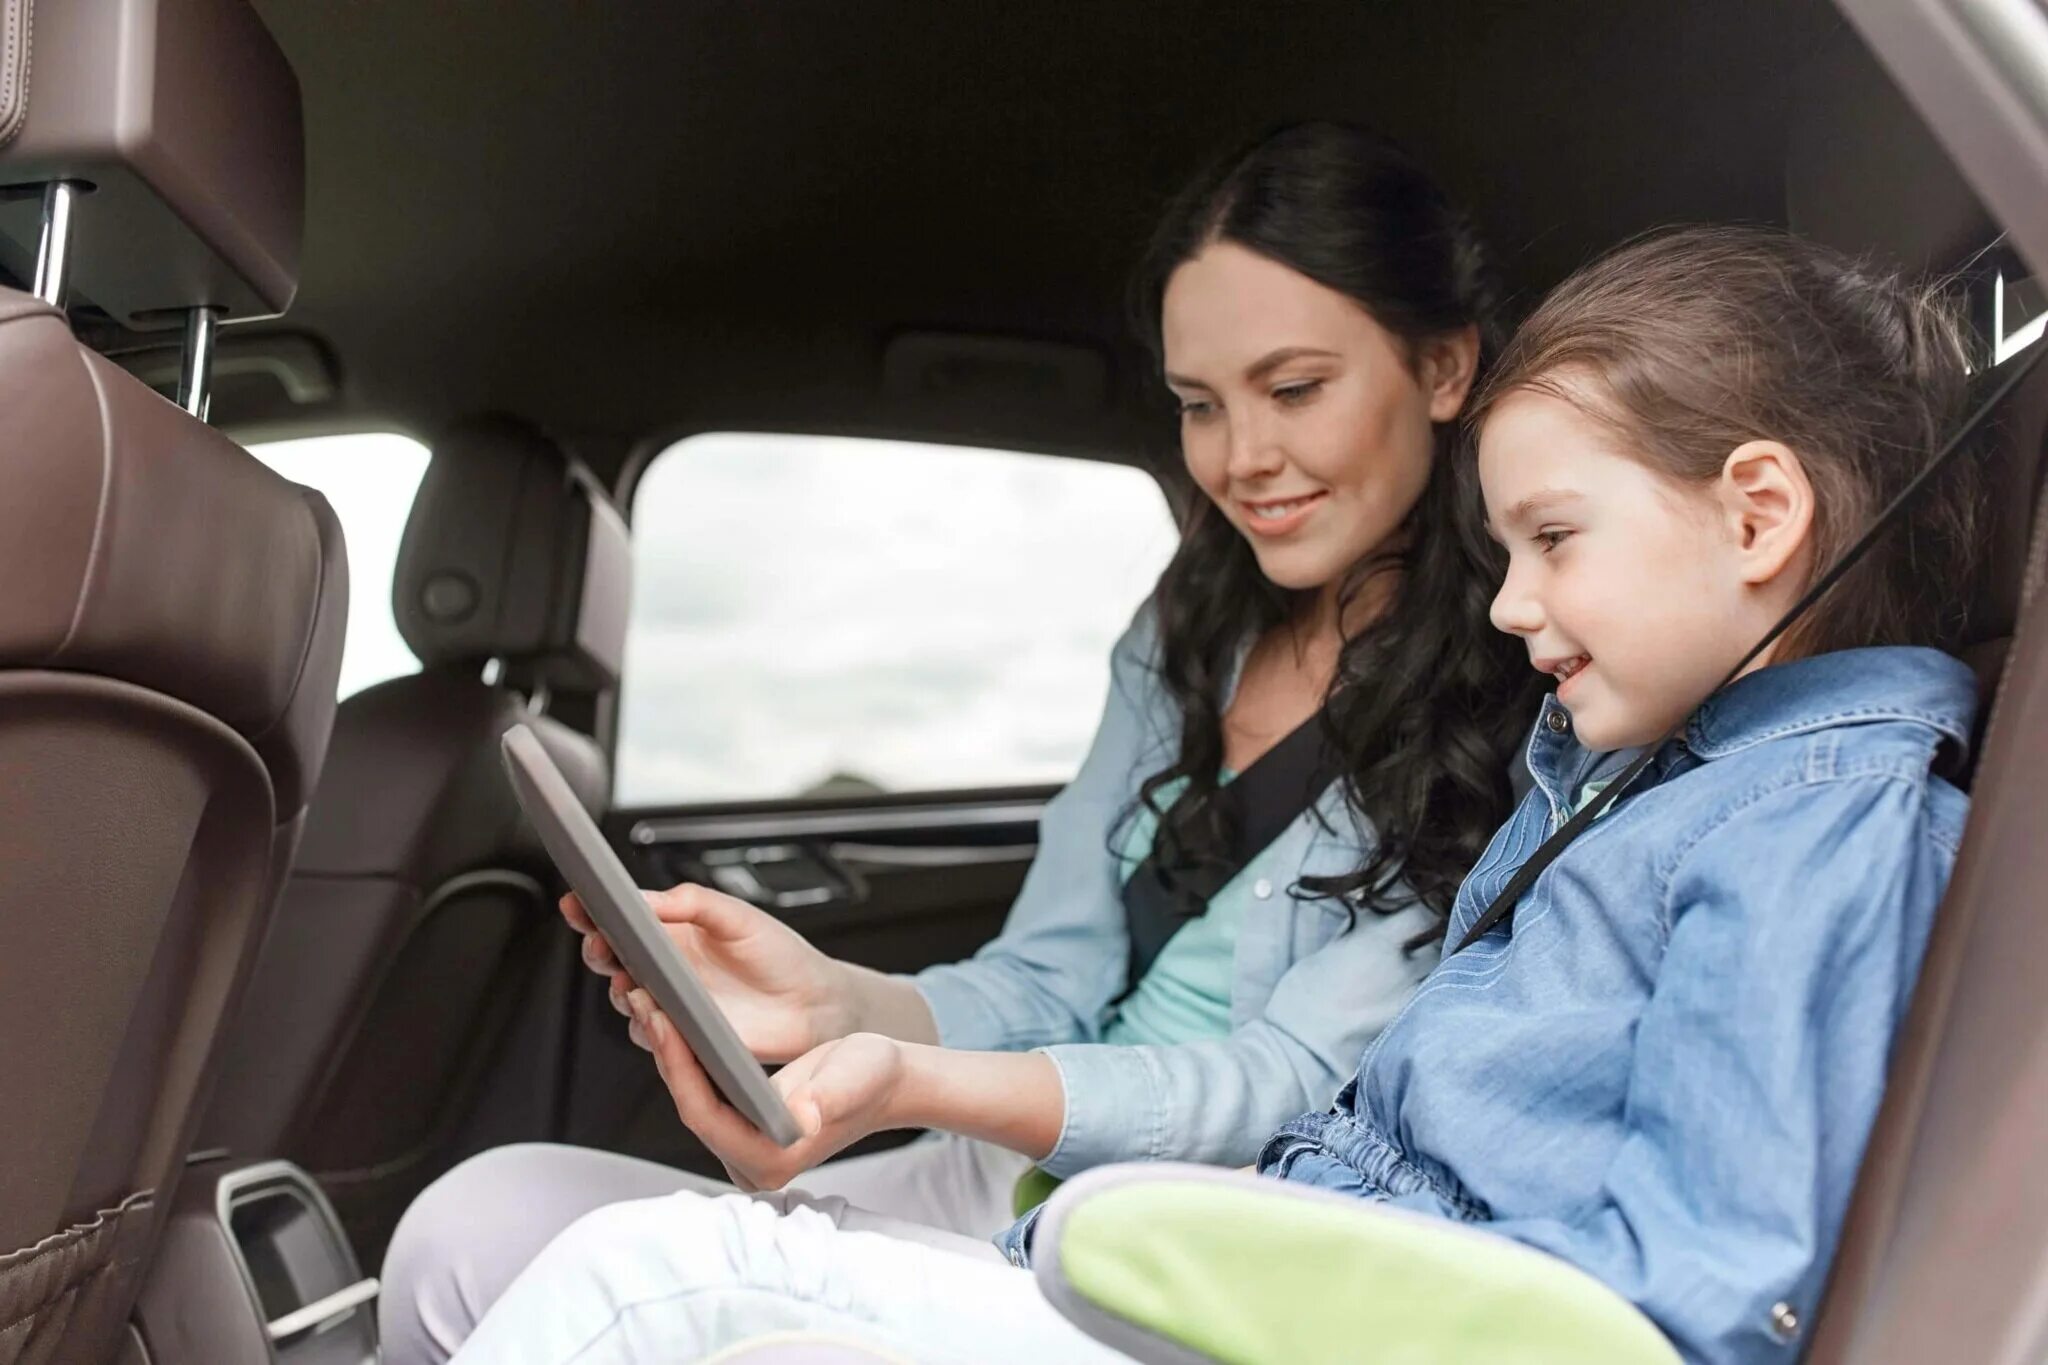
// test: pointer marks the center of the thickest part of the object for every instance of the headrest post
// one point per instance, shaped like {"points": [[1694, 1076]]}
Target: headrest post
{"points": [[195, 374], [53, 254]]}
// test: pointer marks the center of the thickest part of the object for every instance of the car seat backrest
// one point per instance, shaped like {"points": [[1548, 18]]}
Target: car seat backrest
{"points": [[1949, 1227], [170, 639], [171, 617], [417, 904]]}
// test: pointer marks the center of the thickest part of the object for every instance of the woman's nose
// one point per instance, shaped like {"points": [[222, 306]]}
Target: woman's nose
{"points": [[1254, 453]]}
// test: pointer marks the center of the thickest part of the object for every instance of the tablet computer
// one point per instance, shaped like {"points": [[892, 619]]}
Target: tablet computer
{"points": [[637, 938]]}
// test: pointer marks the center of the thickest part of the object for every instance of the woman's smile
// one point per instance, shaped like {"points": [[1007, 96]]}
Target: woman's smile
{"points": [[1279, 516]]}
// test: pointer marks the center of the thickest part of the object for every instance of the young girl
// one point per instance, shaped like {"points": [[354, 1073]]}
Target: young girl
{"points": [[1663, 1067], [1318, 305]]}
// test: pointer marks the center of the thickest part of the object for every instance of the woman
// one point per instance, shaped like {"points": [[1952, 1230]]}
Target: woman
{"points": [[1319, 310]]}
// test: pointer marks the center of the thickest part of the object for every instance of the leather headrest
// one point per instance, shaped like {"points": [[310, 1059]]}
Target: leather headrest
{"points": [[513, 552], [1863, 173], [141, 545], [183, 117]]}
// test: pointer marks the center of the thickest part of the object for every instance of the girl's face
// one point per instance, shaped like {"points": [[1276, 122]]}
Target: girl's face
{"points": [[1306, 422], [1635, 591]]}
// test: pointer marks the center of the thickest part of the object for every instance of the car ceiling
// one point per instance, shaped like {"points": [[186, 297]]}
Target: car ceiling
{"points": [[636, 220]]}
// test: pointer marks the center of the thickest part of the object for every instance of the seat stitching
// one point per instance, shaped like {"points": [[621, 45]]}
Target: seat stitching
{"points": [[20, 47], [99, 523]]}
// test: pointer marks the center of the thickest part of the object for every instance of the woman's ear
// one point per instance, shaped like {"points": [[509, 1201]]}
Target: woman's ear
{"points": [[1767, 502], [1448, 364]]}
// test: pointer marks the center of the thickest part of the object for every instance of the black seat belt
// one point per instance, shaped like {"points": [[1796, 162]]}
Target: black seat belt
{"points": [[1503, 907], [1256, 806]]}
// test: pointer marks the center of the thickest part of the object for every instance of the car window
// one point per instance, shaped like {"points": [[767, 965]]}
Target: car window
{"points": [[370, 480], [830, 616]]}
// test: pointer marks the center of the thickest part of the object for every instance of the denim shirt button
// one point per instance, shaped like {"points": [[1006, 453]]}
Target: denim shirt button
{"points": [[1784, 1322], [1557, 721], [1263, 889]]}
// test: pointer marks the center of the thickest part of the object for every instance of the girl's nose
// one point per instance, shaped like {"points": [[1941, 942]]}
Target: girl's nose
{"points": [[1515, 610]]}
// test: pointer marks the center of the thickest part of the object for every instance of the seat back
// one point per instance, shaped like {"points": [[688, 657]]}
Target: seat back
{"points": [[1949, 1227], [1949, 1230], [170, 638], [171, 615], [421, 903]]}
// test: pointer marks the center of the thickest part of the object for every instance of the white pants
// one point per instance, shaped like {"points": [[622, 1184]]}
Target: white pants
{"points": [[471, 1233], [680, 1277]]}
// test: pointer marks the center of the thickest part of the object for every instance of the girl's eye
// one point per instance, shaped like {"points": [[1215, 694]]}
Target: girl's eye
{"points": [[1296, 394], [1550, 540], [1196, 409]]}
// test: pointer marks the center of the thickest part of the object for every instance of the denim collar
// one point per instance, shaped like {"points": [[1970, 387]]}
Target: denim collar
{"points": [[1889, 683]]}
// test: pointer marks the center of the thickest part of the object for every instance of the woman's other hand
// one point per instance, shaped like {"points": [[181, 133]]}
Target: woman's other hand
{"points": [[845, 1089], [838, 1093], [783, 996]]}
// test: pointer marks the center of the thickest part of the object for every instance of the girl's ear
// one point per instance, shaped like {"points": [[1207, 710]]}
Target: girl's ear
{"points": [[1447, 366], [1767, 502]]}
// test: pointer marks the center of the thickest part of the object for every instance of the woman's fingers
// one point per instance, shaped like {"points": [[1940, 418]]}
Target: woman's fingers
{"points": [[699, 1105], [619, 993], [578, 917], [598, 955], [715, 913]]}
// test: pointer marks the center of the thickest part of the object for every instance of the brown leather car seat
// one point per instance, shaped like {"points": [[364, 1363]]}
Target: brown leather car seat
{"points": [[1950, 1225], [420, 898], [1948, 1234], [171, 618]]}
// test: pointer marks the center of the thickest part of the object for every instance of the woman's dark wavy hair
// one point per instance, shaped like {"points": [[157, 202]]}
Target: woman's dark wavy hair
{"points": [[1428, 701]]}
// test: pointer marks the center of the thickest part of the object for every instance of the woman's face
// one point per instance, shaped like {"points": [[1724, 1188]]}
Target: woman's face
{"points": [[1306, 422]]}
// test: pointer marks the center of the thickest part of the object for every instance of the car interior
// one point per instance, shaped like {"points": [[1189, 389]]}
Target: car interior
{"points": [[272, 958]]}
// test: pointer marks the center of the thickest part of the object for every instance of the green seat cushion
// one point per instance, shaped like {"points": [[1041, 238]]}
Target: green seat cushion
{"points": [[1247, 1275]]}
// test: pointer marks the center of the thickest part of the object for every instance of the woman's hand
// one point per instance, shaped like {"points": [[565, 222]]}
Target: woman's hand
{"points": [[850, 1087], [783, 996], [839, 1092]]}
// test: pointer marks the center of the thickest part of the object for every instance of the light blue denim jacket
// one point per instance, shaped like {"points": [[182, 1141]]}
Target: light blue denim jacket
{"points": [[1666, 1069], [1310, 986]]}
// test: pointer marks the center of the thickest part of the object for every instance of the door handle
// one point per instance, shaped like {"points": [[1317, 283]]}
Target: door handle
{"points": [[783, 876]]}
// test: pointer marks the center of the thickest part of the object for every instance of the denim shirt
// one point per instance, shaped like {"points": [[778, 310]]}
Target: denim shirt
{"points": [[1664, 1070], [1311, 984]]}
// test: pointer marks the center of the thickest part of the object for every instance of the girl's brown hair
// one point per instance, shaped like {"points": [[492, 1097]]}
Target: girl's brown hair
{"points": [[1693, 341]]}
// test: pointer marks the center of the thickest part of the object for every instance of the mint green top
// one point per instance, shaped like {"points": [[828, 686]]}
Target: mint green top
{"points": [[1186, 994], [1589, 791]]}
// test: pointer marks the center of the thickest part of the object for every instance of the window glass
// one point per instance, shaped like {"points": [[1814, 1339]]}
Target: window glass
{"points": [[829, 616], [370, 480]]}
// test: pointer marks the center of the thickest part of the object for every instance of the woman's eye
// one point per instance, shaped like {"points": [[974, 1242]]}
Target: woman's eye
{"points": [[1295, 394], [1196, 409], [1550, 540]]}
